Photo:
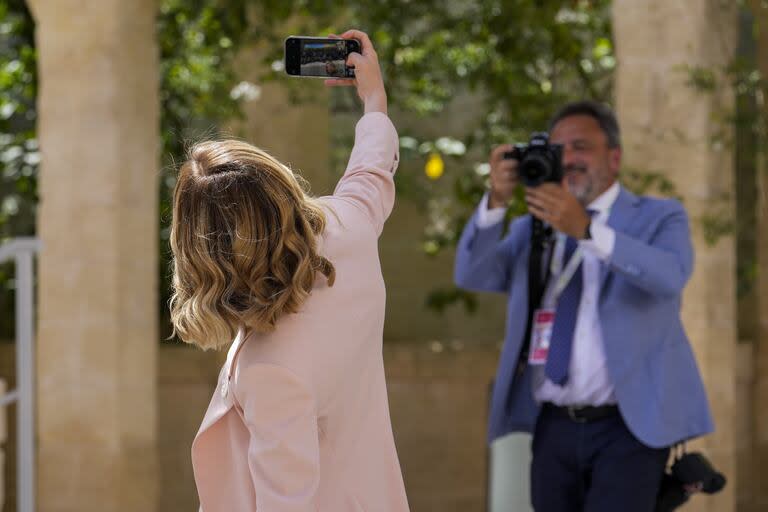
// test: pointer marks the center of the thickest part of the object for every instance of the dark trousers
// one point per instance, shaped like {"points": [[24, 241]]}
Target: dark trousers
{"points": [[592, 467]]}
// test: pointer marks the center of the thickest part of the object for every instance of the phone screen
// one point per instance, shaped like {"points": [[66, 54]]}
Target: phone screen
{"points": [[307, 56]]}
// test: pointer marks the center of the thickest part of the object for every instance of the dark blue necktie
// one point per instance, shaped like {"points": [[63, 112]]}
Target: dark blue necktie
{"points": [[559, 357]]}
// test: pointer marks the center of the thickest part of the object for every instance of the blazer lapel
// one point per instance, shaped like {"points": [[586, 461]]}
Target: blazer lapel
{"points": [[222, 401], [620, 218]]}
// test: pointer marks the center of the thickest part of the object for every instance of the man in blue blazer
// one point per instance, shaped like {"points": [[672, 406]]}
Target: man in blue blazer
{"points": [[608, 381]]}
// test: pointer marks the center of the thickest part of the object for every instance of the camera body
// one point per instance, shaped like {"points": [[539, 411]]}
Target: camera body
{"points": [[538, 161], [691, 472], [694, 468]]}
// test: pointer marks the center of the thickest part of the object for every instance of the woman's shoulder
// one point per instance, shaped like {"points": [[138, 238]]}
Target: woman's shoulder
{"points": [[279, 347], [276, 353], [345, 221]]}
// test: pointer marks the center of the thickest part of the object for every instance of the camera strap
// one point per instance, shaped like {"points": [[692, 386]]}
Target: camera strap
{"points": [[539, 291], [538, 275], [679, 450]]}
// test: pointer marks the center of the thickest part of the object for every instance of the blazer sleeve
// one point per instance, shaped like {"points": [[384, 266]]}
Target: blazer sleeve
{"points": [[485, 260], [368, 181], [663, 265], [283, 454]]}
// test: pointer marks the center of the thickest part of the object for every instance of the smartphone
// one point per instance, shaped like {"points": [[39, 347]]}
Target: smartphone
{"points": [[319, 56]]}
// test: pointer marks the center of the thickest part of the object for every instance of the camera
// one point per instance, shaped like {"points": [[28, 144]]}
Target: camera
{"points": [[538, 161], [689, 474]]}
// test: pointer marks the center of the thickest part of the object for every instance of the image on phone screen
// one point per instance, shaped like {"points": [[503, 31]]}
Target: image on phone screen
{"points": [[318, 57]]}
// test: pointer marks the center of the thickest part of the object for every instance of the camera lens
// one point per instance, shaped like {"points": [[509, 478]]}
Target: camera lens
{"points": [[534, 170]]}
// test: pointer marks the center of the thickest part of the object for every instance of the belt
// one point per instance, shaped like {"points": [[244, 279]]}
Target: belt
{"points": [[583, 414]]}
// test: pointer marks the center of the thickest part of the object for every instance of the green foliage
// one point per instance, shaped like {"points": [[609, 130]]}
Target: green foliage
{"points": [[198, 43], [717, 224], [19, 154], [701, 78], [18, 146], [518, 59], [742, 129], [440, 299], [648, 182], [523, 58]]}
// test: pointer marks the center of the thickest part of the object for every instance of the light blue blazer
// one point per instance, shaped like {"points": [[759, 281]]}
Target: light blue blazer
{"points": [[649, 359]]}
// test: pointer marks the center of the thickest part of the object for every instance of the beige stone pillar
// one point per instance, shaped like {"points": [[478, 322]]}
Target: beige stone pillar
{"points": [[668, 127], [99, 130]]}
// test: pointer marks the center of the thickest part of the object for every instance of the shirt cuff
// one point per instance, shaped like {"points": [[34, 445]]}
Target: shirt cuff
{"points": [[488, 217], [602, 241]]}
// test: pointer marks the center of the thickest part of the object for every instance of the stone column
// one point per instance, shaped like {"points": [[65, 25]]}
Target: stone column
{"points": [[670, 127], [99, 131]]}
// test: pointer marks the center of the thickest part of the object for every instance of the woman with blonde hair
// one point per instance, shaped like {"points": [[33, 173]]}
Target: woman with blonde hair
{"points": [[299, 420]]}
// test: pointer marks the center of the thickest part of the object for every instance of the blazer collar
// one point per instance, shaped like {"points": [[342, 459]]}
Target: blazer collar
{"points": [[623, 210], [222, 399], [606, 200], [621, 216], [234, 349]]}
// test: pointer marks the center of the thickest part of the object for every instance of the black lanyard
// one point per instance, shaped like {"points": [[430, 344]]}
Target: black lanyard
{"points": [[538, 275]]}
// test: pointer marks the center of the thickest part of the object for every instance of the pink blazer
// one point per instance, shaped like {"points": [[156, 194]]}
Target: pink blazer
{"points": [[299, 421]]}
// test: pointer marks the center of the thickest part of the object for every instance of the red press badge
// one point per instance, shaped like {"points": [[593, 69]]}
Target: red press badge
{"points": [[541, 334]]}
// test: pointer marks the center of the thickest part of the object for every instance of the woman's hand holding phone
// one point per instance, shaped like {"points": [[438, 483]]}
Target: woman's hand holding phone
{"points": [[370, 86]]}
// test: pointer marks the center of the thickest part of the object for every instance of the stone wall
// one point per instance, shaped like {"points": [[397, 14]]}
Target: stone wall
{"points": [[437, 401], [186, 380]]}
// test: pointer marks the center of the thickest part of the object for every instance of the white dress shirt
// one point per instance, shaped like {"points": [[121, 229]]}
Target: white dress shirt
{"points": [[588, 380]]}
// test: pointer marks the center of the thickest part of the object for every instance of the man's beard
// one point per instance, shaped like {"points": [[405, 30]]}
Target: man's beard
{"points": [[582, 191]]}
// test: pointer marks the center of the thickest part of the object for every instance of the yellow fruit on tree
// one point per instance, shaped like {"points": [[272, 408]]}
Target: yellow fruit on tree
{"points": [[434, 167]]}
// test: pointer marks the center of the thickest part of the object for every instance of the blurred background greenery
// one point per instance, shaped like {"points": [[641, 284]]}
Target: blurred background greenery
{"points": [[522, 58]]}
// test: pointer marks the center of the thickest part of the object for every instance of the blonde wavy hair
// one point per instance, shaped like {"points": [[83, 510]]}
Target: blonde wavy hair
{"points": [[244, 238]]}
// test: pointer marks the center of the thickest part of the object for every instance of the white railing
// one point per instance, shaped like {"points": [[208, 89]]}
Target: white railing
{"points": [[23, 250]]}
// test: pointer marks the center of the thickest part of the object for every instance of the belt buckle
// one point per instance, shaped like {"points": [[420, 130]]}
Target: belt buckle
{"points": [[572, 414]]}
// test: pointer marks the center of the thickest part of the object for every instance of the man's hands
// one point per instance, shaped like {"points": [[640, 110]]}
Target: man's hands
{"points": [[503, 177], [553, 203]]}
